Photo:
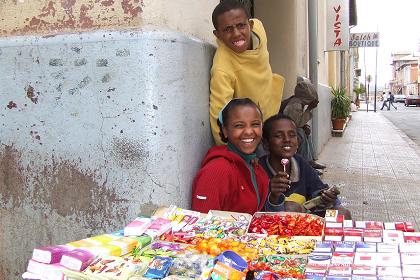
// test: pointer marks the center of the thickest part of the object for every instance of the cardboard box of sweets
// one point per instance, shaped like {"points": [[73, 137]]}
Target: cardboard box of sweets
{"points": [[316, 218], [171, 214], [230, 216]]}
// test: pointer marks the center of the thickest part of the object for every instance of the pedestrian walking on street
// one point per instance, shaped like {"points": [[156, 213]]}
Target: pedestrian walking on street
{"points": [[391, 101], [385, 100]]}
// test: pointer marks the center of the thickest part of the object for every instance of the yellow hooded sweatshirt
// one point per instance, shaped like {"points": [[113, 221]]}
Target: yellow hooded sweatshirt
{"points": [[241, 75]]}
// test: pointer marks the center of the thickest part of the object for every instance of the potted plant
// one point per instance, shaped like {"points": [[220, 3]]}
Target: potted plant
{"points": [[359, 90], [340, 107]]}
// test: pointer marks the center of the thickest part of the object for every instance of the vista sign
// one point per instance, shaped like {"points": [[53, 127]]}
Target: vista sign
{"points": [[337, 23]]}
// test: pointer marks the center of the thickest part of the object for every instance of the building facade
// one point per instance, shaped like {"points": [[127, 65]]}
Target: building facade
{"points": [[405, 73]]}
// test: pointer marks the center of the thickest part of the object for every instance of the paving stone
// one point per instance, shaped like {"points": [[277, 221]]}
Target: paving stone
{"points": [[378, 184]]}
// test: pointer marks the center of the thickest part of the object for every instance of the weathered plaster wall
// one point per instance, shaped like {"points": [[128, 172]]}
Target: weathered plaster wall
{"points": [[192, 17], [326, 61], [286, 24], [324, 117], [284, 34], [95, 128], [49, 17], [23, 17]]}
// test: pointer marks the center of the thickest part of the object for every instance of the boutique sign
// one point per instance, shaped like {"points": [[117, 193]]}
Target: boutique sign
{"points": [[362, 40]]}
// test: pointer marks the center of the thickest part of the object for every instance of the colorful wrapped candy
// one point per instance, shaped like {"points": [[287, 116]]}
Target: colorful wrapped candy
{"points": [[163, 249], [266, 275], [158, 268], [287, 225], [189, 265], [285, 267], [215, 246], [221, 227], [285, 245]]}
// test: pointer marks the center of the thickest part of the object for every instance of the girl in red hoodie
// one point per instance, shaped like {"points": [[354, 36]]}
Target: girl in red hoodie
{"points": [[229, 178]]}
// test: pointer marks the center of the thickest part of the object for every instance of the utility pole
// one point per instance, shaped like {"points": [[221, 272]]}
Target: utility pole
{"points": [[313, 64], [368, 80]]}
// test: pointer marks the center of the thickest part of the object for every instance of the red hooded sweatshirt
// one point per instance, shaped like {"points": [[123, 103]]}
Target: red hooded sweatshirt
{"points": [[224, 183]]}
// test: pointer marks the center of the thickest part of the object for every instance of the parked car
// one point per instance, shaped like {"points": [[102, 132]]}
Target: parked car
{"points": [[412, 100], [399, 98]]}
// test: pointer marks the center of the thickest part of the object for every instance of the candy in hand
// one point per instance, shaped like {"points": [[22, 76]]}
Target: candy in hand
{"points": [[284, 162]]}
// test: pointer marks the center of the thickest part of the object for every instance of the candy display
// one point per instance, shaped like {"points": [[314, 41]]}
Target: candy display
{"points": [[137, 227], [158, 227], [221, 227], [48, 271], [77, 259], [189, 265], [272, 245], [111, 268], [183, 244], [179, 237], [217, 224], [283, 266], [228, 265], [223, 271], [266, 275], [158, 268], [287, 225], [215, 246], [163, 249], [49, 254]]}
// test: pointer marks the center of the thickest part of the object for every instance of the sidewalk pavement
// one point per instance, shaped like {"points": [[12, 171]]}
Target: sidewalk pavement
{"points": [[379, 167]]}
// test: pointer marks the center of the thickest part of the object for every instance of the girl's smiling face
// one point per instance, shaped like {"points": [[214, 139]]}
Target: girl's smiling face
{"points": [[243, 128]]}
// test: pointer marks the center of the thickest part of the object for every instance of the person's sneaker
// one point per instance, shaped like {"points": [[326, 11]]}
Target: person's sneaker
{"points": [[317, 165]]}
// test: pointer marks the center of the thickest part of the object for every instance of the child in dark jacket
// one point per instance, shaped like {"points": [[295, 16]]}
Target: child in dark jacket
{"points": [[229, 178], [289, 172]]}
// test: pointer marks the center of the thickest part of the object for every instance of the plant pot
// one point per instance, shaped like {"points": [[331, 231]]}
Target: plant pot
{"points": [[338, 124], [340, 103]]}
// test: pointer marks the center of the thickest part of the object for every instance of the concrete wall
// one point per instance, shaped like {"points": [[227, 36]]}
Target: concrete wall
{"points": [[285, 23], [94, 129], [324, 117], [191, 17], [324, 58], [104, 114], [49, 17]]}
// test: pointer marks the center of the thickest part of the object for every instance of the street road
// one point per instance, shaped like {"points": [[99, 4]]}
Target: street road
{"points": [[405, 118]]}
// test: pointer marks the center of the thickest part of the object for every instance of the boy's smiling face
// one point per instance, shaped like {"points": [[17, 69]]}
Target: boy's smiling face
{"points": [[282, 141], [234, 30]]}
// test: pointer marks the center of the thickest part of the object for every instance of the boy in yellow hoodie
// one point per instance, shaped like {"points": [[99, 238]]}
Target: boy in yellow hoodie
{"points": [[241, 67]]}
